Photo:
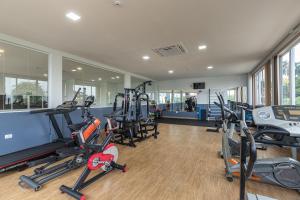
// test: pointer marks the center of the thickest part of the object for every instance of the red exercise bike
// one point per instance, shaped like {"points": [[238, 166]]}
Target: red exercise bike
{"points": [[101, 157]]}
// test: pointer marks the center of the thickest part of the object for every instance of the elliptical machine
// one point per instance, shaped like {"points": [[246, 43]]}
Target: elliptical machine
{"points": [[230, 121], [284, 171], [246, 168]]}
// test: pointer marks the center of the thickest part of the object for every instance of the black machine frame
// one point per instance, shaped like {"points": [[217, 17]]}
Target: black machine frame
{"points": [[133, 128], [48, 172], [47, 152], [82, 181]]}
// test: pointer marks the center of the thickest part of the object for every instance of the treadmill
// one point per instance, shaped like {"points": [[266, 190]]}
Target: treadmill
{"points": [[49, 152], [278, 125]]}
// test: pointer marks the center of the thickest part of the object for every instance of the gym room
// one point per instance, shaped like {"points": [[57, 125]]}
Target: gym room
{"points": [[150, 100]]}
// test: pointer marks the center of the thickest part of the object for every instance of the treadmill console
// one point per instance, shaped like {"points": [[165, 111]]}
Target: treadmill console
{"points": [[288, 113], [285, 117]]}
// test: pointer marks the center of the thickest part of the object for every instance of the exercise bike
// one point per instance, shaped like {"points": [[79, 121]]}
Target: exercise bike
{"points": [[49, 171], [284, 171], [102, 157]]}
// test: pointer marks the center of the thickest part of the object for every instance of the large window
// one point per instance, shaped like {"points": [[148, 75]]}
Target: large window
{"points": [[165, 97], [23, 78], [152, 91], [102, 84], [285, 79], [290, 76], [296, 51], [231, 95], [175, 100], [260, 93]]}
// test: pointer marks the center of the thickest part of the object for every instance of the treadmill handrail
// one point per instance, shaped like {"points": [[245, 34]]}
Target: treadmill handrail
{"points": [[67, 105]]}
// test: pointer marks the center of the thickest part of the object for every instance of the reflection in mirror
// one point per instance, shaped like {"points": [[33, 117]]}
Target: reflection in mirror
{"points": [[190, 103], [95, 81], [23, 78]]}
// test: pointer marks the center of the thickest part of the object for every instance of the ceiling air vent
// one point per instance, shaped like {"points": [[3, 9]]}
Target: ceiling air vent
{"points": [[172, 50]]}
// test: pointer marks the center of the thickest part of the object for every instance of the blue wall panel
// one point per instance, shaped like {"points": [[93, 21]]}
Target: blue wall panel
{"points": [[29, 130], [183, 114]]}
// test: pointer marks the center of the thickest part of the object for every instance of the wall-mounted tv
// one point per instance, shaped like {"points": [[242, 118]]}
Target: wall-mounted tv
{"points": [[198, 86]]}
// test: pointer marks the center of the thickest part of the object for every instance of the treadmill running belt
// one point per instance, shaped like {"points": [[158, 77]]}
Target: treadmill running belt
{"points": [[29, 154]]}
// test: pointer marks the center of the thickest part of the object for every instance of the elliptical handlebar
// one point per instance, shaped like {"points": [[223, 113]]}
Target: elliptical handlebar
{"points": [[244, 107], [246, 168], [253, 152], [221, 105]]}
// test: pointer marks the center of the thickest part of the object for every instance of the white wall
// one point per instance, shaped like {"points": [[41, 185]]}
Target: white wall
{"points": [[214, 83]]}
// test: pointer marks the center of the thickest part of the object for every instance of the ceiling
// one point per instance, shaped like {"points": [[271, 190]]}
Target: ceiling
{"points": [[238, 33]]}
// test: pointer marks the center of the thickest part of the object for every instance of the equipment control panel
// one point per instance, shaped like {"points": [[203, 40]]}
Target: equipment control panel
{"points": [[285, 117], [288, 113]]}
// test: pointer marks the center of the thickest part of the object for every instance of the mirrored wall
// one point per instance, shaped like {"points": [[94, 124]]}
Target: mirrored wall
{"points": [[102, 84], [23, 78]]}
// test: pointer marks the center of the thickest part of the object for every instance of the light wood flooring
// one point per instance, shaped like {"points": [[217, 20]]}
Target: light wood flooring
{"points": [[181, 164]]}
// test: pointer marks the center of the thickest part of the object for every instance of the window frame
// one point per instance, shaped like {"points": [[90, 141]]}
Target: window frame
{"points": [[255, 89], [287, 49]]}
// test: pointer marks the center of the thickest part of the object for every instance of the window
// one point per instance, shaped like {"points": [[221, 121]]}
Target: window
{"points": [[231, 95], [177, 101], [285, 79], [100, 83], [165, 97], [296, 52], [289, 80], [23, 78], [244, 94], [259, 78]]}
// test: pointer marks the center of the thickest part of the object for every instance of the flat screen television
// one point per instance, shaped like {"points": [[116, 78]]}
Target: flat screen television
{"points": [[198, 86]]}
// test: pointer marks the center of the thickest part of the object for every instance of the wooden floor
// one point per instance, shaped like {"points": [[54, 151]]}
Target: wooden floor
{"points": [[181, 164]]}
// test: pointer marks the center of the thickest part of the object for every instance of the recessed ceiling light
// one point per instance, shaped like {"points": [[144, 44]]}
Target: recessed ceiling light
{"points": [[116, 3], [117, 77], [100, 79], [210, 67], [113, 78], [202, 47], [74, 70], [79, 68], [170, 71], [146, 57], [1, 51], [73, 16], [45, 75], [92, 80]]}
